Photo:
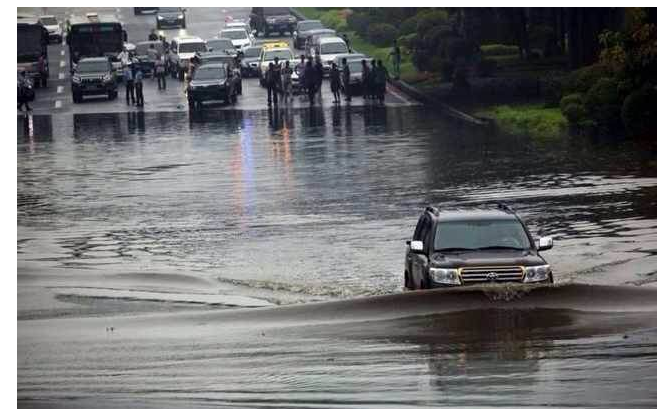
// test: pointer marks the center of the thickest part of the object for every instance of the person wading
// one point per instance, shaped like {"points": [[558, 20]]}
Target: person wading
{"points": [[346, 75], [139, 87], [372, 93], [24, 91], [395, 59], [366, 79], [380, 80], [287, 87], [160, 71], [128, 81], [335, 82], [310, 80], [272, 81], [318, 66]]}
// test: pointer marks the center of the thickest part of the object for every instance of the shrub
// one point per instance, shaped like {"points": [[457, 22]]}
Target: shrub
{"points": [[359, 22], [428, 19], [335, 20], [409, 25], [582, 79], [574, 112], [486, 67], [576, 98], [491, 50], [382, 34], [638, 112], [407, 41], [603, 105]]}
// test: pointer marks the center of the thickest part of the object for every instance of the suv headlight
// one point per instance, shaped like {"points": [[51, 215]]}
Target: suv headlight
{"points": [[160, 17], [76, 78], [445, 276], [180, 17], [537, 273], [107, 78]]}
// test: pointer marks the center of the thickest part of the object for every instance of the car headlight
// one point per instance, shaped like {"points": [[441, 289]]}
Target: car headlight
{"points": [[445, 275], [271, 20], [76, 79], [161, 17], [537, 273], [107, 78], [180, 17]]}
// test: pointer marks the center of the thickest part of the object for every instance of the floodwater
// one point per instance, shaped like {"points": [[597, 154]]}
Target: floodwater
{"points": [[184, 234]]}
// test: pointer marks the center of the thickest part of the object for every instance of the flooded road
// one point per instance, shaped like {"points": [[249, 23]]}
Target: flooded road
{"points": [[157, 224]]}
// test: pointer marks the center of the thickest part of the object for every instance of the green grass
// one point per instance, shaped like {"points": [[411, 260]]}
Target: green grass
{"points": [[529, 119]]}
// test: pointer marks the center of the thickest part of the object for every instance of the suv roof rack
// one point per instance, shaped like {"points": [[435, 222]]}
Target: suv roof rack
{"points": [[434, 210], [505, 207]]}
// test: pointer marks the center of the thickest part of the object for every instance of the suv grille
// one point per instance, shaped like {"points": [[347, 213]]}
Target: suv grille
{"points": [[491, 274]]}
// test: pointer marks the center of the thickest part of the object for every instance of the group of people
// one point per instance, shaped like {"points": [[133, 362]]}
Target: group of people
{"points": [[133, 75], [310, 72]]}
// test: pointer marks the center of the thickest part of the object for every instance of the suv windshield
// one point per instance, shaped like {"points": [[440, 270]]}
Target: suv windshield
{"points": [[334, 48], [93, 66], [169, 10], [276, 11], [192, 47], [209, 73], [49, 21], [234, 34], [480, 234]]}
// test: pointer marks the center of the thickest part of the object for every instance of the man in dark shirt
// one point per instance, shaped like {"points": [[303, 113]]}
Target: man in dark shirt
{"points": [[346, 74], [310, 80]]}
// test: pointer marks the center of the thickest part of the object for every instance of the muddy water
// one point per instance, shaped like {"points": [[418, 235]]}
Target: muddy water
{"points": [[157, 223]]}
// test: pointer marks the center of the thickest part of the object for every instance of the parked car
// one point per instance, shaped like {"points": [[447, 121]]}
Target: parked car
{"points": [[474, 246], [53, 27], [301, 29], [182, 49], [238, 36], [211, 82], [223, 45], [251, 57], [355, 75], [272, 20], [170, 17], [93, 76]]}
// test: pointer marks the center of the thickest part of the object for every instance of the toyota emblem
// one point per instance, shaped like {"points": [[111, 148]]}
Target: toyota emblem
{"points": [[492, 276]]}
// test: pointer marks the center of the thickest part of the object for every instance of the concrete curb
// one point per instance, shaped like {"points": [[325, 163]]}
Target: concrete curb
{"points": [[422, 97]]}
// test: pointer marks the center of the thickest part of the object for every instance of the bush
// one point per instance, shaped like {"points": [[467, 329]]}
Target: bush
{"points": [[573, 112], [638, 112], [359, 22], [407, 41], [491, 50], [428, 19], [569, 99], [582, 79], [335, 20], [603, 105], [382, 34], [409, 26], [486, 67]]}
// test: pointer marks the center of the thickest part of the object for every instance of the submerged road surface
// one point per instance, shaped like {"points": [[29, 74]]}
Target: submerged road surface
{"points": [[253, 257]]}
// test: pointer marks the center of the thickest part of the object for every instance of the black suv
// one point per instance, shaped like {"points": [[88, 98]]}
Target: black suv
{"points": [[93, 76], [272, 19], [212, 82], [474, 246]]}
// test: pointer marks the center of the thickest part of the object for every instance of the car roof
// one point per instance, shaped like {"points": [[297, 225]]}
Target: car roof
{"points": [[233, 29], [94, 59], [188, 39], [275, 44], [218, 39], [330, 39], [47, 16], [475, 214]]}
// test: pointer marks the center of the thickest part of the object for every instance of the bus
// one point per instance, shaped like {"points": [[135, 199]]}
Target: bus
{"points": [[32, 41], [94, 36]]}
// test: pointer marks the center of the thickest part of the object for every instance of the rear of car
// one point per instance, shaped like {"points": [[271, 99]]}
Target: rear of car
{"points": [[239, 37], [278, 20], [250, 60], [302, 30], [182, 49], [327, 48], [210, 83], [93, 76], [170, 17], [53, 27], [221, 45]]}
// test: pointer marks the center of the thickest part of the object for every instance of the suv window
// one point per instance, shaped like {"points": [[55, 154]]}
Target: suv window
{"points": [[475, 234]]}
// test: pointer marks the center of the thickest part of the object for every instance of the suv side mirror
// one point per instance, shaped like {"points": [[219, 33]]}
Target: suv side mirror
{"points": [[545, 243], [416, 246]]}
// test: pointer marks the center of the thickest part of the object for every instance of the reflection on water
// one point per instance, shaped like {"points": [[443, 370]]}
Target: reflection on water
{"points": [[312, 197]]}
